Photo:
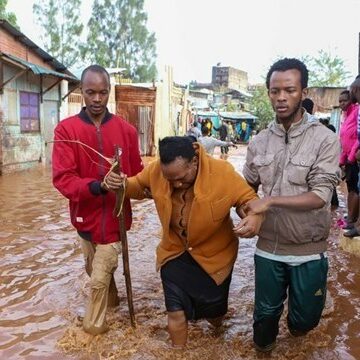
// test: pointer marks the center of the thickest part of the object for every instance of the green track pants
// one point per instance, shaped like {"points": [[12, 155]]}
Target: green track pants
{"points": [[305, 285]]}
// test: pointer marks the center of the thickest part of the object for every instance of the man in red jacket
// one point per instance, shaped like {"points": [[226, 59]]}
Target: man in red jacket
{"points": [[78, 173]]}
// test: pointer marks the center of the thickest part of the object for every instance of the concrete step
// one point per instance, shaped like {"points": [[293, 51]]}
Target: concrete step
{"points": [[351, 245]]}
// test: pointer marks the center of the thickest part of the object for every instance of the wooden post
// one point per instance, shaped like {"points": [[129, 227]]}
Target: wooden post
{"points": [[124, 246], [1, 77]]}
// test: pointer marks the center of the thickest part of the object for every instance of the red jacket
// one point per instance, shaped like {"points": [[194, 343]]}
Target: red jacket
{"points": [[78, 172]]}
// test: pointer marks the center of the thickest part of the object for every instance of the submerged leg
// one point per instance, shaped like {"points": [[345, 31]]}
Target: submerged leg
{"points": [[178, 327]]}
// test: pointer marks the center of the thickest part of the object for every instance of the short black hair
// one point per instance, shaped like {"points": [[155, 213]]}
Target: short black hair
{"points": [[308, 105], [345, 92], [325, 121], [289, 64], [95, 68], [172, 147], [205, 130]]}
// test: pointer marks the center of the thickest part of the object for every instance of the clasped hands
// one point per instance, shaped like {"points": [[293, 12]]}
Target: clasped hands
{"points": [[113, 182], [252, 214]]}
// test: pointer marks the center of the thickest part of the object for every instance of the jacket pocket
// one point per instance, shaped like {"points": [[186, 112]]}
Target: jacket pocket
{"points": [[220, 208], [299, 168], [266, 168]]}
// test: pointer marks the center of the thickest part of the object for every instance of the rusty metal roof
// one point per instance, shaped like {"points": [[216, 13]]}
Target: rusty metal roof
{"points": [[37, 69], [58, 66]]}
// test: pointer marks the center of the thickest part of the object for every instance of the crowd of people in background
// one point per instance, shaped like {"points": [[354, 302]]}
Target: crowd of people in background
{"points": [[236, 131], [350, 155]]}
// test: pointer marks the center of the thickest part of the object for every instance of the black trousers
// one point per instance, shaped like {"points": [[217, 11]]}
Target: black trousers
{"points": [[189, 288]]}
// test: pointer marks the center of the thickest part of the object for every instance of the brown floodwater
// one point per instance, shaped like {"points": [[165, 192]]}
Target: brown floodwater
{"points": [[43, 289]]}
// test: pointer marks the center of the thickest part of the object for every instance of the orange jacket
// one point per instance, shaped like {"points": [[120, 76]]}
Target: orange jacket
{"points": [[211, 241]]}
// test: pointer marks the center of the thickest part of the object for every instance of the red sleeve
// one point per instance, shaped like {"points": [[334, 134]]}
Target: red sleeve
{"points": [[64, 167]]}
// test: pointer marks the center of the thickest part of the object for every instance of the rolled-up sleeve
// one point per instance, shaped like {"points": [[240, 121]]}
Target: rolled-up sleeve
{"points": [[250, 171], [324, 175]]}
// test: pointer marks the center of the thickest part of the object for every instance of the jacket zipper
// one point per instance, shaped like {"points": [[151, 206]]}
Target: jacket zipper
{"points": [[276, 234], [277, 213], [103, 215]]}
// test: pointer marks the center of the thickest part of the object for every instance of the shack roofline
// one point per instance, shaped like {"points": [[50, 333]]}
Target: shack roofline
{"points": [[326, 87], [36, 69], [22, 38], [234, 116]]}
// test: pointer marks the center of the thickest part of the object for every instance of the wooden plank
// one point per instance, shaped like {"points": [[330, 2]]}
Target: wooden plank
{"points": [[2, 84], [53, 85], [1, 76]]}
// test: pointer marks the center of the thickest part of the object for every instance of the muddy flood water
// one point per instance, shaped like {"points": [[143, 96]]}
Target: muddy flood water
{"points": [[43, 289]]}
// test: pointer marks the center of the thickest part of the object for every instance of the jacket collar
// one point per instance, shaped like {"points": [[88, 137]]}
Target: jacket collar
{"points": [[85, 117], [295, 129], [202, 185]]}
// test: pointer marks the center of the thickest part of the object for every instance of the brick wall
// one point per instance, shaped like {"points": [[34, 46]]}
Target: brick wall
{"points": [[10, 45]]}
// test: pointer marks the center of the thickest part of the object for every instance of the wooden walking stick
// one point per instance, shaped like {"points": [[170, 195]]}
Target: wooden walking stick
{"points": [[119, 212]]}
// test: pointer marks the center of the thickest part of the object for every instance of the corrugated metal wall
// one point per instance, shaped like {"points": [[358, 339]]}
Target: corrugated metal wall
{"points": [[325, 98], [137, 106], [20, 149]]}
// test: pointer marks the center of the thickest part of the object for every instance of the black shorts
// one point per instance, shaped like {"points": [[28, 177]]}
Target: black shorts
{"points": [[189, 288], [352, 177]]}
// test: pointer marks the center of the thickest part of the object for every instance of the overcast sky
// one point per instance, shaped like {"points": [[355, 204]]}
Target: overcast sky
{"points": [[194, 35]]}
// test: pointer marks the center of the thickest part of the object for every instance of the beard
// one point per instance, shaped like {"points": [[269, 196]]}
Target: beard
{"points": [[290, 118]]}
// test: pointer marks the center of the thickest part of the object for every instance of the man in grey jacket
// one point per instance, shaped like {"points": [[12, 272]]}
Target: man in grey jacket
{"points": [[209, 142], [295, 160]]}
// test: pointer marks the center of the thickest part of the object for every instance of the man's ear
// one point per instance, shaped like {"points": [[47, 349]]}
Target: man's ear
{"points": [[196, 147], [304, 93]]}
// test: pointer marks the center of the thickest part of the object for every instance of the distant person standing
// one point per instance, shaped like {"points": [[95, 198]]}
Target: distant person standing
{"points": [[230, 131], [194, 131], [209, 142], [344, 103], [349, 146], [223, 132], [355, 97]]}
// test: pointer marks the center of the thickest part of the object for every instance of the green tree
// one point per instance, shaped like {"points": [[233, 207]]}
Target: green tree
{"points": [[261, 107], [9, 16], [326, 70], [118, 37], [60, 20], [230, 106]]}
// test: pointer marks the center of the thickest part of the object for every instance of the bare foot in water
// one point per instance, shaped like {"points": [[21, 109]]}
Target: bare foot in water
{"points": [[216, 322]]}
